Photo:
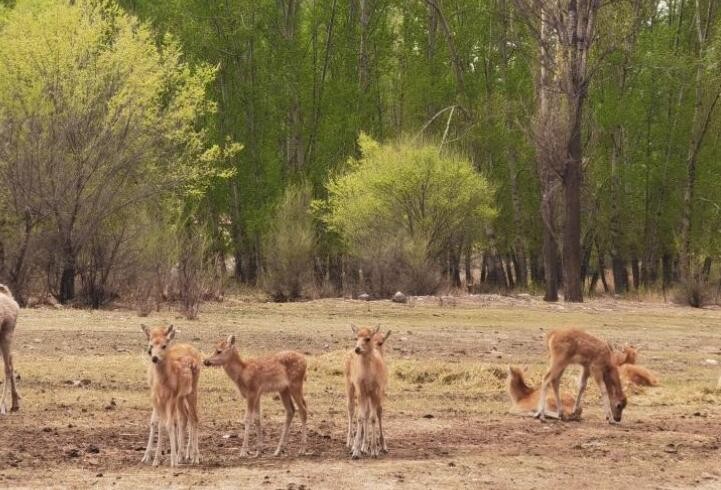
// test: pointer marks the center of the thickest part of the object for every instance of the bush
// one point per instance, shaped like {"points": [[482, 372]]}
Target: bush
{"points": [[401, 206], [695, 292], [290, 247]]}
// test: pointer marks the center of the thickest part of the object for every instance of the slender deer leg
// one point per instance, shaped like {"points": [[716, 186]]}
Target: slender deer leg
{"points": [[159, 446], [3, 406], [555, 371], [297, 394], [259, 435], [248, 420], [181, 423], [350, 392], [153, 427], [582, 383], [373, 442], [598, 378], [359, 435], [170, 424], [556, 385], [379, 414], [6, 338], [289, 411]]}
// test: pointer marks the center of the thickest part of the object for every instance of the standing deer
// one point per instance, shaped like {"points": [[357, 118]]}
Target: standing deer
{"points": [[283, 373], [573, 346], [173, 379], [366, 378], [9, 310]]}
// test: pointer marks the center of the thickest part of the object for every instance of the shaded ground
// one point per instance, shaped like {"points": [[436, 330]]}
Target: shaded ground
{"points": [[85, 403]]}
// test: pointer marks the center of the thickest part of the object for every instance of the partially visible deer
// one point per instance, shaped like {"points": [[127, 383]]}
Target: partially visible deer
{"points": [[283, 373], [630, 372], [173, 379], [366, 379], [574, 346], [524, 398], [9, 310], [379, 339]]}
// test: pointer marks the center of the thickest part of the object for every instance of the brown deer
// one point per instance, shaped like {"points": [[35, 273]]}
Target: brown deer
{"points": [[630, 372], [379, 339], [173, 379], [574, 346], [524, 398], [9, 310], [283, 373], [366, 379]]}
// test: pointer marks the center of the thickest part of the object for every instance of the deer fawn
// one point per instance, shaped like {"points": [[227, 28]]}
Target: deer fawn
{"points": [[9, 310], [366, 378], [573, 346], [524, 399], [630, 372], [173, 379], [283, 372]]}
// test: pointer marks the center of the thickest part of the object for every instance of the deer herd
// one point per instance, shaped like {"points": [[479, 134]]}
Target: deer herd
{"points": [[174, 373]]}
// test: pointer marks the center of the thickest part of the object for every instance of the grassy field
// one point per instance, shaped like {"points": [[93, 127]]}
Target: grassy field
{"points": [[85, 406]]}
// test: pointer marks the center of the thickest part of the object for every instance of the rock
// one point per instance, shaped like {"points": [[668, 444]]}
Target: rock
{"points": [[399, 298], [364, 297], [713, 362]]}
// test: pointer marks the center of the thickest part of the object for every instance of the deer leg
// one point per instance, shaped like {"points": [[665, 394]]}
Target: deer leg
{"points": [[382, 440], [289, 411], [153, 427], [159, 446], [248, 420], [297, 394], [582, 383], [598, 378], [556, 385], [350, 398], [5, 343], [259, 435], [555, 371], [181, 424], [373, 442], [359, 434], [170, 426]]}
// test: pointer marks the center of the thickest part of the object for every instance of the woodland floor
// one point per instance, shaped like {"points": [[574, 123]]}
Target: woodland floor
{"points": [[85, 407]]}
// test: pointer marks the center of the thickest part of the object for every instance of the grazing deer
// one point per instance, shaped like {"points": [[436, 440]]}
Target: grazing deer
{"points": [[283, 373], [524, 399], [630, 372], [573, 346], [366, 378], [173, 379], [9, 310]]}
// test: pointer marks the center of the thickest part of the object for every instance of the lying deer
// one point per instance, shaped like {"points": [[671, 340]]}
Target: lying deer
{"points": [[366, 377], [9, 310], [173, 379], [524, 399], [630, 372], [573, 346], [283, 372]]}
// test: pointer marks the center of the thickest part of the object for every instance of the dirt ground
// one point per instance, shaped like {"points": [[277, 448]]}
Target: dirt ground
{"points": [[85, 407]]}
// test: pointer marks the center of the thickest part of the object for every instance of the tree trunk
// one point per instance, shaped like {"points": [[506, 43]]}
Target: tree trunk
{"points": [[469, 269], [550, 266], [620, 275], [67, 280], [635, 273], [572, 180]]}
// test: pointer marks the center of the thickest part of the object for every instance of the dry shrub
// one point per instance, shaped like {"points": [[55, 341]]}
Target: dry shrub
{"points": [[290, 247], [696, 292]]}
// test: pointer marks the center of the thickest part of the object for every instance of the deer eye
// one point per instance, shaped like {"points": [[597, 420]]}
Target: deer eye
{"points": [[150, 350], [218, 352], [368, 339], [165, 346]]}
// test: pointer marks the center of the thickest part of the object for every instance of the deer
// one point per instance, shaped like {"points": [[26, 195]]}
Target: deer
{"points": [[524, 398], [173, 379], [574, 346], [366, 377], [283, 372], [379, 339], [630, 372], [9, 311]]}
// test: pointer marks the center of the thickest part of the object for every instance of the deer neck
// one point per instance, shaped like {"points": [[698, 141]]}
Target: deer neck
{"points": [[519, 389], [234, 368]]}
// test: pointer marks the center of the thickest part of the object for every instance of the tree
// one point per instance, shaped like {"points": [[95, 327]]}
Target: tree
{"points": [[95, 118]]}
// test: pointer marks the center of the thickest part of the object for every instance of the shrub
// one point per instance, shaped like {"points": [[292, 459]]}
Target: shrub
{"points": [[401, 206], [290, 247]]}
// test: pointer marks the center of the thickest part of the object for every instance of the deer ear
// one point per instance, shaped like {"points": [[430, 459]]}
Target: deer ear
{"points": [[388, 334], [354, 328], [378, 329], [170, 332], [146, 331], [231, 339]]}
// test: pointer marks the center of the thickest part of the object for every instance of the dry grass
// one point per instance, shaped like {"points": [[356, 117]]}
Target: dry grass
{"points": [[85, 401]]}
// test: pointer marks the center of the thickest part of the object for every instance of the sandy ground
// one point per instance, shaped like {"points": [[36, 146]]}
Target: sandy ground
{"points": [[85, 406]]}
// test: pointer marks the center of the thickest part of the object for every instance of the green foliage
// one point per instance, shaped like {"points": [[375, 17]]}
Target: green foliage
{"points": [[405, 204], [290, 246]]}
